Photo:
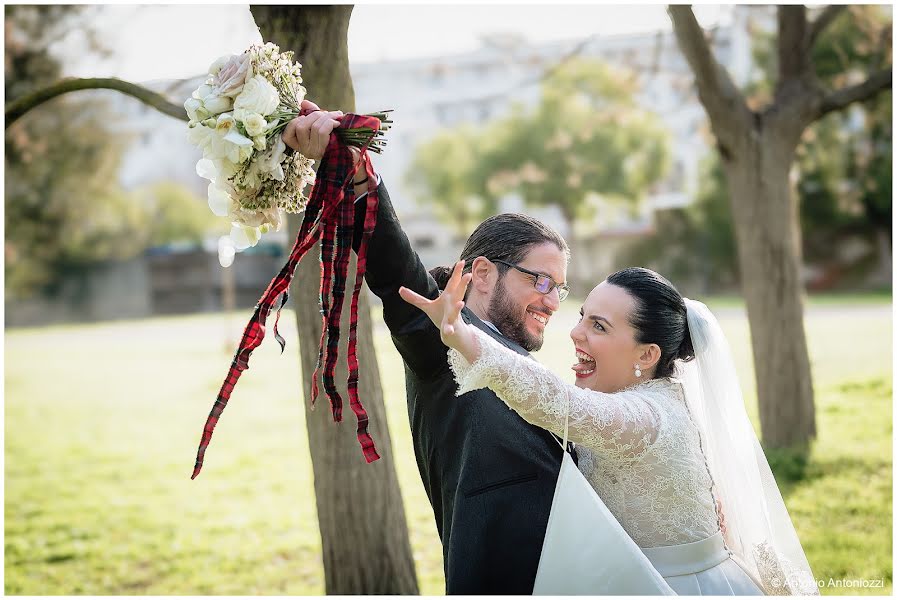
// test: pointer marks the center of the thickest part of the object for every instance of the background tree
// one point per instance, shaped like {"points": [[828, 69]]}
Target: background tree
{"points": [[65, 210], [844, 182], [586, 136], [361, 514], [360, 509], [441, 176], [758, 148]]}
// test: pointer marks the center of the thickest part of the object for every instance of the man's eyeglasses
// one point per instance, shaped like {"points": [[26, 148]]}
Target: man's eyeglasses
{"points": [[542, 283]]}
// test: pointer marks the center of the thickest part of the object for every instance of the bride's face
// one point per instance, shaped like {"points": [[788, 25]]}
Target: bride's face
{"points": [[606, 350]]}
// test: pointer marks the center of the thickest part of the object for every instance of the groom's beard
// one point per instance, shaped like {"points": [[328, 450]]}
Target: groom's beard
{"points": [[507, 319]]}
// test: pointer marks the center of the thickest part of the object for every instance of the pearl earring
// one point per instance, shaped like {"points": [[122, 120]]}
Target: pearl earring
{"points": [[638, 371]]}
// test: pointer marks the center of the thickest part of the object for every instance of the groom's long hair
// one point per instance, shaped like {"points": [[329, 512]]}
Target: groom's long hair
{"points": [[508, 237]]}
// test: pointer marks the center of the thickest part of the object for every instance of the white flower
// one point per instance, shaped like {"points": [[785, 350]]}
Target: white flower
{"points": [[211, 142], [195, 109], [258, 96], [216, 105], [231, 77], [255, 124], [200, 136], [226, 169], [258, 142], [225, 123], [202, 91], [205, 168], [219, 200], [269, 160], [219, 64], [243, 237], [237, 147], [226, 251]]}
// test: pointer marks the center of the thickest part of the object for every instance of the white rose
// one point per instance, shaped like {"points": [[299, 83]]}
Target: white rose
{"points": [[255, 124], [258, 96], [215, 105], [218, 64], [229, 80], [258, 142]]}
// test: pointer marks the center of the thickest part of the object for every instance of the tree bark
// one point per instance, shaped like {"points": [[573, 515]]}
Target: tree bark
{"points": [[767, 229], [364, 534]]}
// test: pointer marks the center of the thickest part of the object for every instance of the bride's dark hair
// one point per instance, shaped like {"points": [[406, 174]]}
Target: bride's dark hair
{"points": [[659, 316]]}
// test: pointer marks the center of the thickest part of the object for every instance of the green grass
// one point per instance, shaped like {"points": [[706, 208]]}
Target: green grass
{"points": [[102, 424]]}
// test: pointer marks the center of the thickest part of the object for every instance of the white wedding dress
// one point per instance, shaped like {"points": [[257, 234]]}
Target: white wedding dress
{"points": [[640, 449]]}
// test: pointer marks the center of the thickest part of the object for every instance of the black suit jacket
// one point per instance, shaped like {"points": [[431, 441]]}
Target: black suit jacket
{"points": [[490, 475]]}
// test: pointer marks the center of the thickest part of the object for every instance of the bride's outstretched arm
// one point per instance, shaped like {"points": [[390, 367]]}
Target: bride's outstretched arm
{"points": [[623, 424]]}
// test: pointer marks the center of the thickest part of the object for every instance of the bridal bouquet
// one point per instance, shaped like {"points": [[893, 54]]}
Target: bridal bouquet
{"points": [[236, 118]]}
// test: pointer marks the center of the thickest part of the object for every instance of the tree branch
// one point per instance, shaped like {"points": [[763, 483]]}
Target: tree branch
{"points": [[147, 96], [723, 102], [842, 98], [825, 18]]}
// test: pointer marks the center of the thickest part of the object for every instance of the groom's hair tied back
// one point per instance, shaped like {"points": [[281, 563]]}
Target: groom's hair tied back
{"points": [[659, 316], [508, 237]]}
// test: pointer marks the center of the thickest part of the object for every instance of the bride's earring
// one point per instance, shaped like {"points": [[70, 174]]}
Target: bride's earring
{"points": [[638, 371]]}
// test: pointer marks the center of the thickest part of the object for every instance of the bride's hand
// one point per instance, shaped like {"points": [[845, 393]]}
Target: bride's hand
{"points": [[445, 312]]}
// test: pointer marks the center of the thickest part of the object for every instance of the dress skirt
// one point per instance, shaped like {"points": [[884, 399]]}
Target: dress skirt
{"points": [[703, 568]]}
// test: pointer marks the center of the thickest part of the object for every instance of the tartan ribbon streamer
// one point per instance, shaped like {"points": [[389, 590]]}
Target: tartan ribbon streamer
{"points": [[329, 216]]}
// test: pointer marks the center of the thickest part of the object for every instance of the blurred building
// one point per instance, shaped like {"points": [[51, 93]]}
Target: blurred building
{"points": [[430, 95], [434, 94]]}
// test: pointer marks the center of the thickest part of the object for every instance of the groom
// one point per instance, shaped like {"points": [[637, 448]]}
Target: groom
{"points": [[489, 475]]}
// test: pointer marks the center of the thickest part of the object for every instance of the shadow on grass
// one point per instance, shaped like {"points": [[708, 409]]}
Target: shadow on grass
{"points": [[789, 465]]}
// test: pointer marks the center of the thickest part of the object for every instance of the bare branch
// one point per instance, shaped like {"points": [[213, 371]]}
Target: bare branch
{"points": [[723, 102], [842, 98], [825, 18], [147, 96]]}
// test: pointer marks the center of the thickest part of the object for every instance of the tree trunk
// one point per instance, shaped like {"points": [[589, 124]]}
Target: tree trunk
{"points": [[765, 216], [364, 534]]}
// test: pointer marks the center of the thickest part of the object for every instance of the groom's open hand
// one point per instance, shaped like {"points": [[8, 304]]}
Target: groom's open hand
{"points": [[445, 312]]}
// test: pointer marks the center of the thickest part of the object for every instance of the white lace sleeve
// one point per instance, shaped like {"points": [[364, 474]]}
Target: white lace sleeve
{"points": [[623, 424]]}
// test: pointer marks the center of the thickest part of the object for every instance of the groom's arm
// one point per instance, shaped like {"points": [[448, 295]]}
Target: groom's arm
{"points": [[391, 264]]}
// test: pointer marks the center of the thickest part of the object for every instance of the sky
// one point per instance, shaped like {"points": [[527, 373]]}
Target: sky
{"points": [[178, 41]]}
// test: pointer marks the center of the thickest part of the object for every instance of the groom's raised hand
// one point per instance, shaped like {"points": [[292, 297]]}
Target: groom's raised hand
{"points": [[445, 312], [309, 134]]}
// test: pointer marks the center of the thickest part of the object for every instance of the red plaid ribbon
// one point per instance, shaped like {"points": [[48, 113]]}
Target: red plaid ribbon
{"points": [[330, 217]]}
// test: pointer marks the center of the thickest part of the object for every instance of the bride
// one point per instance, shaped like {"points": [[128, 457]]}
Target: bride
{"points": [[660, 427]]}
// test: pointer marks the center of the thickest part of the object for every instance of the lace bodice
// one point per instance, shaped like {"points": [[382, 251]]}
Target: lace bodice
{"points": [[639, 448]]}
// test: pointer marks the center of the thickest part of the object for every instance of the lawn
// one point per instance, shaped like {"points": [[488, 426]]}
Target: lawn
{"points": [[102, 424]]}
